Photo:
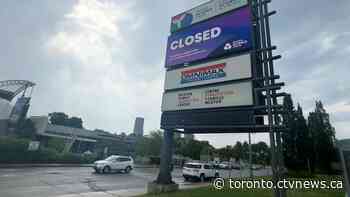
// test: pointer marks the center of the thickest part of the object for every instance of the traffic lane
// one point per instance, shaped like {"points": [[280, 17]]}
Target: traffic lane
{"points": [[43, 182], [59, 181]]}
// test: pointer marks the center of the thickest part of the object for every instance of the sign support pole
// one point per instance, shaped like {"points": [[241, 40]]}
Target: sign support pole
{"points": [[164, 176], [265, 59], [274, 99], [268, 98], [263, 83]]}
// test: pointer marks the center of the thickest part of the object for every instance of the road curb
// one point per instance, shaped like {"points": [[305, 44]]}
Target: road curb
{"points": [[128, 192], [43, 165]]}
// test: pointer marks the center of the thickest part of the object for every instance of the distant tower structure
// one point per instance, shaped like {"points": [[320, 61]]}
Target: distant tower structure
{"points": [[138, 127]]}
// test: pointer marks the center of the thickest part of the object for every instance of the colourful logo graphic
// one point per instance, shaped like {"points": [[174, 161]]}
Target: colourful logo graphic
{"points": [[181, 20], [202, 74]]}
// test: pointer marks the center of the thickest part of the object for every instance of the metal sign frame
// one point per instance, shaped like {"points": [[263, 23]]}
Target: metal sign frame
{"points": [[259, 107], [265, 88]]}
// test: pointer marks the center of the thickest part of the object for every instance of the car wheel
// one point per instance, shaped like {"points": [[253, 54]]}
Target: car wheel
{"points": [[127, 169], [106, 170], [202, 178]]}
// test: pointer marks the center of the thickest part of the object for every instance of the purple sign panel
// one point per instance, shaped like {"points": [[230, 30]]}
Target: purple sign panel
{"points": [[226, 34]]}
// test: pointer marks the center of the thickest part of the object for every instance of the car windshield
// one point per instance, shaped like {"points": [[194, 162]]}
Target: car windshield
{"points": [[193, 166], [110, 158]]}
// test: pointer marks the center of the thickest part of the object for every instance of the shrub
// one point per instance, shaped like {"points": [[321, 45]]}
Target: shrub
{"points": [[13, 150]]}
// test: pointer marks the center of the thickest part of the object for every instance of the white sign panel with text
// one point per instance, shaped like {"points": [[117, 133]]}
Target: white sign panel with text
{"points": [[228, 69], [231, 95]]}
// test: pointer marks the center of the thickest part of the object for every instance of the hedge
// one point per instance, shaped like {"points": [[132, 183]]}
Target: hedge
{"points": [[14, 150]]}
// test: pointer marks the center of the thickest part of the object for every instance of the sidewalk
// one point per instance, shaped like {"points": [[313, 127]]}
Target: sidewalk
{"points": [[130, 192]]}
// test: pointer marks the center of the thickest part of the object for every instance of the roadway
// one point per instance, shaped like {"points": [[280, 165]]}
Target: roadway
{"points": [[56, 181]]}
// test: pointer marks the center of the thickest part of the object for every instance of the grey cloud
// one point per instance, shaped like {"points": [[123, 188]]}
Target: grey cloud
{"points": [[341, 117]]}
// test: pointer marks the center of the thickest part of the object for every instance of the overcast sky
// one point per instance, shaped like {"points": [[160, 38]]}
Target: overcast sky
{"points": [[104, 60]]}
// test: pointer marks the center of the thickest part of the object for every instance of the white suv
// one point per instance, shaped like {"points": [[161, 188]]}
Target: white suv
{"points": [[201, 171], [114, 163]]}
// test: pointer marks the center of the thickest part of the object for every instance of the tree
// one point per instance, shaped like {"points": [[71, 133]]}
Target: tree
{"points": [[297, 141], [60, 118], [74, 122], [193, 148], [289, 137], [261, 153], [226, 153], [303, 140], [245, 151], [150, 146], [238, 150], [323, 135]]}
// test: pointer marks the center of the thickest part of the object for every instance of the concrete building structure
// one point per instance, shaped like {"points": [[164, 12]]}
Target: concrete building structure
{"points": [[44, 128], [3, 126]]}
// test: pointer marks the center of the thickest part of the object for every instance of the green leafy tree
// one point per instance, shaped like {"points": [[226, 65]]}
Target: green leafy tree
{"points": [[150, 145], [238, 150], [261, 153], [226, 153], [193, 148], [289, 138], [303, 140], [245, 151], [323, 135], [297, 141], [74, 122], [60, 118]]}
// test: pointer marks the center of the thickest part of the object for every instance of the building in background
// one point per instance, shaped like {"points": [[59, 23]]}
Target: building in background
{"points": [[20, 92], [138, 127], [81, 140]]}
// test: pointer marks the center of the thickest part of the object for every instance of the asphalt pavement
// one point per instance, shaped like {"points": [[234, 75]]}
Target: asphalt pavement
{"points": [[58, 181]]}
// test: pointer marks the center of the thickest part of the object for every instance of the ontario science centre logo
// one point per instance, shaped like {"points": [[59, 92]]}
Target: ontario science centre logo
{"points": [[181, 20], [203, 74]]}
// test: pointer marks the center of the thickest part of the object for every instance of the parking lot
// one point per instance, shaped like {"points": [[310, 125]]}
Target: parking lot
{"points": [[44, 182]]}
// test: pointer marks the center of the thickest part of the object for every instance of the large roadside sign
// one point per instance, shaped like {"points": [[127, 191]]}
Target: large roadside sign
{"points": [[209, 65], [225, 34], [203, 12], [227, 69], [236, 94]]}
